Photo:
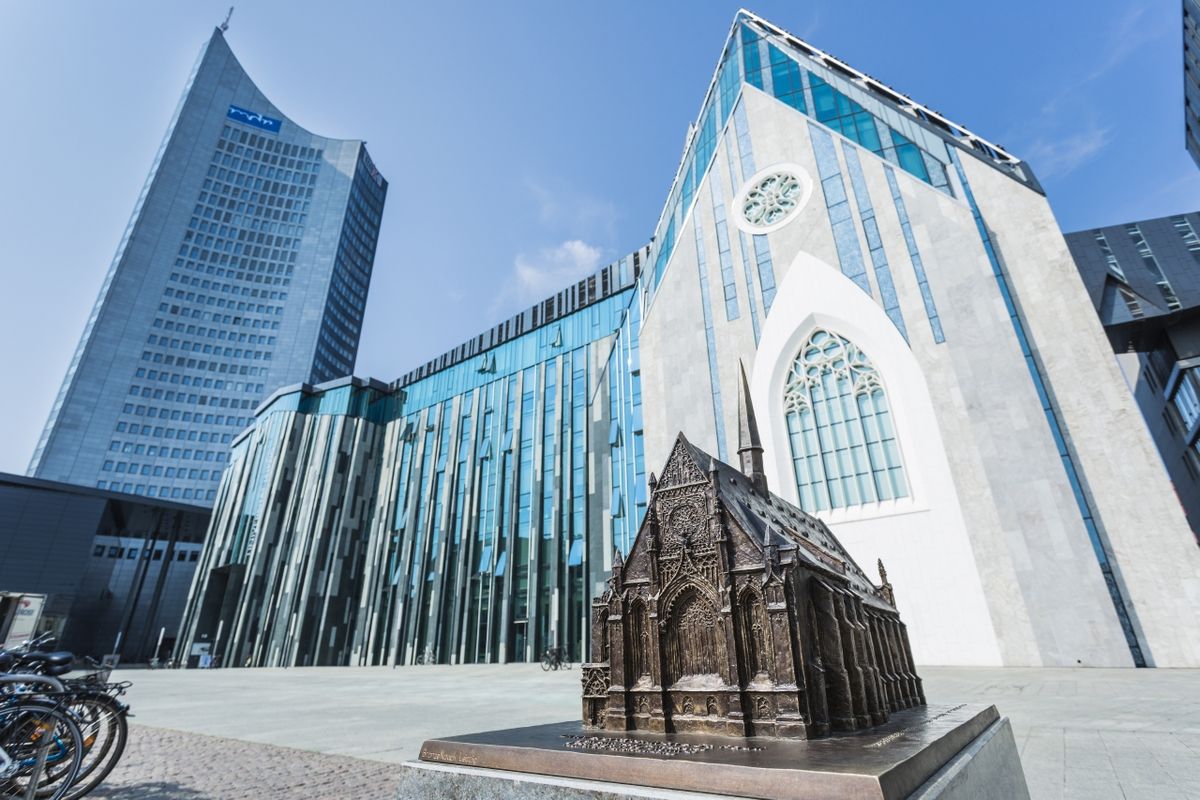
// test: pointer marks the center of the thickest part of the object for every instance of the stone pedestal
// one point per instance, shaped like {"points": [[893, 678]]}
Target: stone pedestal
{"points": [[926, 753]]}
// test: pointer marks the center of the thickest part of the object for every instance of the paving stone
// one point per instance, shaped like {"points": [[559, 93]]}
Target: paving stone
{"points": [[1083, 734], [161, 764]]}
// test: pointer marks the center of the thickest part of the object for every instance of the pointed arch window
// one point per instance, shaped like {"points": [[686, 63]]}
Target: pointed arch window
{"points": [[843, 443]]}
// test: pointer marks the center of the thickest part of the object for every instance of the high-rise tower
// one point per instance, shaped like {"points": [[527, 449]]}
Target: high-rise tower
{"points": [[1191, 77], [245, 266]]}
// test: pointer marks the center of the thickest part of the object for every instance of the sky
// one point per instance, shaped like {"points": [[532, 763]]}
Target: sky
{"points": [[526, 143]]}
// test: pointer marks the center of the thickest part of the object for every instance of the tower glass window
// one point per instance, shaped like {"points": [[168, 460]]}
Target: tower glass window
{"points": [[273, 230], [1185, 229], [843, 444], [1164, 285]]}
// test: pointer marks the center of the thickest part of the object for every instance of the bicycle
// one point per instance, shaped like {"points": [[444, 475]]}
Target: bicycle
{"points": [[90, 703], [555, 658], [41, 746], [425, 656]]}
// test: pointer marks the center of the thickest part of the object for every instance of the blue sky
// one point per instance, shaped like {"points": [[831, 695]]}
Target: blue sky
{"points": [[525, 143]]}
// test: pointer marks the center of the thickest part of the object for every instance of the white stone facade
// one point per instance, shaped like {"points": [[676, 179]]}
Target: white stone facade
{"points": [[989, 552]]}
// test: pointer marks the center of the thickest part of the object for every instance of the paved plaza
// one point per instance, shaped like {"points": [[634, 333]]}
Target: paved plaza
{"points": [[162, 764], [338, 732]]}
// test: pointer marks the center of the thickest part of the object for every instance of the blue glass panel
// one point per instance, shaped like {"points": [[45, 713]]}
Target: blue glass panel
{"points": [[664, 253], [845, 116], [766, 270], [724, 252], [577, 330], [871, 231], [705, 146], [835, 190], [575, 557], [915, 257], [748, 273], [937, 173], [909, 156], [867, 134], [710, 343], [730, 80], [742, 128], [752, 62], [688, 187], [866, 210], [616, 505], [824, 99], [837, 205], [785, 79]]}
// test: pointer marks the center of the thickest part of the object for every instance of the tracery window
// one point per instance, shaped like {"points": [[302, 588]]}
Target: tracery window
{"points": [[692, 647], [638, 645], [843, 443], [772, 199]]}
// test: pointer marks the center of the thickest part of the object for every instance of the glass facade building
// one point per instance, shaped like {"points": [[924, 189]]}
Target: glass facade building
{"points": [[467, 512], [245, 265], [928, 375]]}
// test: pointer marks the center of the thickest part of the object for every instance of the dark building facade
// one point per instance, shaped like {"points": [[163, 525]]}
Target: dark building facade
{"points": [[114, 569], [245, 266], [1144, 280]]}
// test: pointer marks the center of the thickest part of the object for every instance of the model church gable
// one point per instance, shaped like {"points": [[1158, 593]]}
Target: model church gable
{"points": [[727, 619]]}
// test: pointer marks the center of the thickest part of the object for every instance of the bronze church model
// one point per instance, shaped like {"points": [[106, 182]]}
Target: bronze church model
{"points": [[736, 613]]}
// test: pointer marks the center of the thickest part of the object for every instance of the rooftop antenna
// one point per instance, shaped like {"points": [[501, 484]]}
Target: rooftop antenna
{"points": [[225, 25]]}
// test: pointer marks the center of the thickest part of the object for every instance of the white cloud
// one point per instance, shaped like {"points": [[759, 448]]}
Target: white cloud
{"points": [[585, 227], [1125, 36], [1062, 138], [1055, 157], [538, 275], [568, 211]]}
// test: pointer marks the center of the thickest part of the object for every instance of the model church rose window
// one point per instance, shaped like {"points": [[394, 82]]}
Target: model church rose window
{"points": [[772, 199], [844, 447]]}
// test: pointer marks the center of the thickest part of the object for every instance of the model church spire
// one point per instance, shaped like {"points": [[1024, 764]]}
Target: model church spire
{"points": [[750, 449]]}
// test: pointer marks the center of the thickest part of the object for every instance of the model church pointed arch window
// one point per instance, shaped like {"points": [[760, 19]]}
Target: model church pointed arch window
{"points": [[843, 443]]}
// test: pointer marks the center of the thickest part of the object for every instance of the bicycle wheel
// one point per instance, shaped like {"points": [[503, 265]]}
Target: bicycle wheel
{"points": [[45, 747], [102, 723], [547, 663]]}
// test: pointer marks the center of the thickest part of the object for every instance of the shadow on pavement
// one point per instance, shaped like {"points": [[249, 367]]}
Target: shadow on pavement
{"points": [[149, 790]]}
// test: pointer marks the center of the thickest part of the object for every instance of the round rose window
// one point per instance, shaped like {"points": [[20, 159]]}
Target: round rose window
{"points": [[774, 197]]}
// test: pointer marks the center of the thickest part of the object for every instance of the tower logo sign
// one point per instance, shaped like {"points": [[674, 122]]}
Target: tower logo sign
{"points": [[253, 118]]}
